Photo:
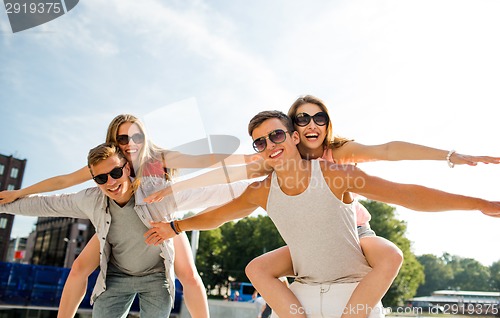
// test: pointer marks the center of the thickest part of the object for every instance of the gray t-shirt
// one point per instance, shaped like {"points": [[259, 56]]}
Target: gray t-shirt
{"points": [[129, 253]]}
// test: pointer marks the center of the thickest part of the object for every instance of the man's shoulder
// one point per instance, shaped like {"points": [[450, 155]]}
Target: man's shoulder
{"points": [[340, 177], [330, 168], [261, 185], [258, 190], [93, 192], [91, 195]]}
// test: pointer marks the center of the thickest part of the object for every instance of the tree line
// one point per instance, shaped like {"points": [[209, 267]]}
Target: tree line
{"points": [[224, 252]]}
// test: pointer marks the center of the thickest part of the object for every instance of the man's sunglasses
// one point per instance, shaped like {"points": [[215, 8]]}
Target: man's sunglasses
{"points": [[138, 138], [276, 136], [303, 119], [116, 173]]}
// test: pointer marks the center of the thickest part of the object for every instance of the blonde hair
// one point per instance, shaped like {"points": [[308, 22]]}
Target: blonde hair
{"points": [[331, 140], [148, 152], [103, 152]]}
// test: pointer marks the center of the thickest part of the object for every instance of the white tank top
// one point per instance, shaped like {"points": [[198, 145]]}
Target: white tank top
{"points": [[320, 231]]}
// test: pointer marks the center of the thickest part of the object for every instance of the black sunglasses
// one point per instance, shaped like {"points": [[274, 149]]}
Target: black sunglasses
{"points": [[116, 173], [276, 136], [303, 119], [138, 138]]}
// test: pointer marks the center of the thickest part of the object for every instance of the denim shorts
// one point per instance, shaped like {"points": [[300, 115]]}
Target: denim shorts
{"points": [[121, 289], [365, 231]]}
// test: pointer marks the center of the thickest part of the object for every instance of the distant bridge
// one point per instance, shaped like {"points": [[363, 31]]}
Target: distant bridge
{"points": [[458, 302]]}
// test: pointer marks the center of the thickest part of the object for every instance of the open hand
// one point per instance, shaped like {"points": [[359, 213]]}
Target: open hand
{"points": [[158, 195], [159, 232], [9, 196], [491, 209], [459, 159]]}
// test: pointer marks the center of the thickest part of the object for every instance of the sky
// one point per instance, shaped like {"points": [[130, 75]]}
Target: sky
{"points": [[421, 71]]}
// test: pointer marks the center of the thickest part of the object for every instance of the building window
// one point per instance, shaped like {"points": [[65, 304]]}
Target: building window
{"points": [[14, 172], [3, 223], [11, 187], [2, 168]]}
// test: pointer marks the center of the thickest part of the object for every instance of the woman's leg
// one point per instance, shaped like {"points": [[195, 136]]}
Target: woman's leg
{"points": [[76, 283], [385, 258], [185, 269], [264, 272]]}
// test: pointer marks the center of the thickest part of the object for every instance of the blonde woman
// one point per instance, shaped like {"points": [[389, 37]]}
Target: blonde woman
{"points": [[147, 159]]}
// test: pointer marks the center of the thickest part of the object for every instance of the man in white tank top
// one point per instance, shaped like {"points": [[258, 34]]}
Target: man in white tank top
{"points": [[304, 199]]}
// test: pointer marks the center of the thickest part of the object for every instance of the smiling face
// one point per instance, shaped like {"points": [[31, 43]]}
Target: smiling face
{"points": [[119, 190], [276, 154], [131, 150], [312, 136]]}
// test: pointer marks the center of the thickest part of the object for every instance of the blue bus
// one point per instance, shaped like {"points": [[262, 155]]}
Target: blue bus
{"points": [[241, 291]]}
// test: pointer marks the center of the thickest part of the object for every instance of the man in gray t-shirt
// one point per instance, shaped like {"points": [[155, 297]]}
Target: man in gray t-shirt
{"points": [[128, 266], [146, 259]]}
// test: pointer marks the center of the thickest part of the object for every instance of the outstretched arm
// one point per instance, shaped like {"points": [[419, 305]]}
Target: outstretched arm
{"points": [[221, 175], [175, 159], [47, 185], [209, 219], [400, 150], [80, 205], [416, 197]]}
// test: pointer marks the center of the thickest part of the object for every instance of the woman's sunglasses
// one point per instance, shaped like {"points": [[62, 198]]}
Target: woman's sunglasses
{"points": [[138, 138], [303, 119], [116, 173], [276, 136]]}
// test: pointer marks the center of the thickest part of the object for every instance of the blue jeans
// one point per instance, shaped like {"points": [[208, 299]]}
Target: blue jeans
{"points": [[115, 301]]}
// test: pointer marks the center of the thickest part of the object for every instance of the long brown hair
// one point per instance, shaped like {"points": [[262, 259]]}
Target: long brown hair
{"points": [[148, 152], [103, 152], [331, 140]]}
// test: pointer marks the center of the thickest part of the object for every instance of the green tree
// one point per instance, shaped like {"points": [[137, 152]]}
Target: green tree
{"points": [[438, 275], [246, 239], [411, 275], [223, 253], [469, 274], [266, 235], [456, 273], [209, 259], [495, 276]]}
